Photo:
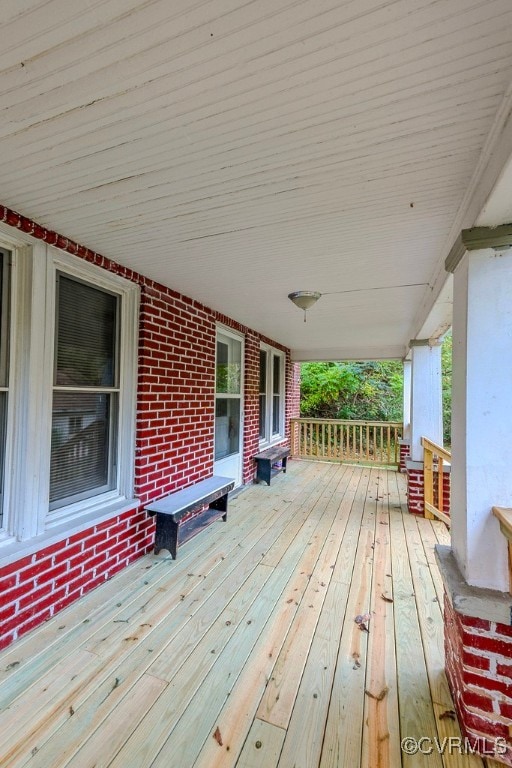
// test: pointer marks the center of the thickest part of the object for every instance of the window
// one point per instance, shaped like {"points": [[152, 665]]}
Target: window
{"points": [[68, 438], [228, 393], [271, 395], [276, 395], [85, 392], [4, 367], [263, 394]]}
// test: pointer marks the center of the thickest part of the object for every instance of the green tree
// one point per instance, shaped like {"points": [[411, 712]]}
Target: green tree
{"points": [[446, 372], [366, 390], [354, 390]]}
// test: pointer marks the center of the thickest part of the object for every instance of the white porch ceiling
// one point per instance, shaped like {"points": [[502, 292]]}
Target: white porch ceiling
{"points": [[238, 150]]}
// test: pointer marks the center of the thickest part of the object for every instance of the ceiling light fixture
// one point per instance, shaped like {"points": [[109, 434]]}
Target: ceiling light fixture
{"points": [[304, 299]]}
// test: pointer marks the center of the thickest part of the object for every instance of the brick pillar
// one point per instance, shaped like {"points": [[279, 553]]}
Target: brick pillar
{"points": [[405, 453], [479, 671], [415, 487]]}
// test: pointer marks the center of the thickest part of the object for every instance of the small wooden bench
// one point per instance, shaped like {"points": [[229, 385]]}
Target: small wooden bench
{"points": [[171, 509], [266, 459]]}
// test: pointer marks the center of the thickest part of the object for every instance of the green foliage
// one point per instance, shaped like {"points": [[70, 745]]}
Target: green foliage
{"points": [[366, 390], [446, 369], [355, 390]]}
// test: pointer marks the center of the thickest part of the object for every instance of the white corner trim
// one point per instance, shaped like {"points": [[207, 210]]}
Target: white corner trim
{"points": [[477, 602]]}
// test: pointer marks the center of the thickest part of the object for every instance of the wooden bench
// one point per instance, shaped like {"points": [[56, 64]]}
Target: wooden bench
{"points": [[267, 458], [171, 509]]}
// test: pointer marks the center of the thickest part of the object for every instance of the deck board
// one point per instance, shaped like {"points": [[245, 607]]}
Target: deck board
{"points": [[431, 624], [416, 711], [305, 732], [344, 725], [250, 639], [381, 728]]}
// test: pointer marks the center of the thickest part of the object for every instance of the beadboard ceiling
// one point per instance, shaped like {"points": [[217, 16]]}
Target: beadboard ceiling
{"points": [[237, 150]]}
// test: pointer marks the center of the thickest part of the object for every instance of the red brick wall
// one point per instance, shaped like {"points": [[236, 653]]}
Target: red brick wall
{"points": [[293, 401], [479, 671], [175, 399], [38, 586], [293, 390], [252, 410], [174, 441]]}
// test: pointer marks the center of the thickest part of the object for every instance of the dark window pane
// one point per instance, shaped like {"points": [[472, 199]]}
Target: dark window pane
{"points": [[263, 371], [275, 415], [227, 427], [277, 376], [4, 318], [81, 463], [4, 366], [228, 378], [263, 408], [221, 384], [86, 335], [276, 395], [3, 419], [263, 394]]}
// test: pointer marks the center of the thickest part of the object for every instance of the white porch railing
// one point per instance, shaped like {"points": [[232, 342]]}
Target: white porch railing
{"points": [[356, 442]]}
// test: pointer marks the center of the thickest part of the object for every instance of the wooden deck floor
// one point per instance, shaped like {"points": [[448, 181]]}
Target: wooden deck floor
{"points": [[245, 651]]}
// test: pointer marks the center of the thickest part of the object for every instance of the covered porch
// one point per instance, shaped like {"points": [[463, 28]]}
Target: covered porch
{"points": [[172, 173], [250, 649]]}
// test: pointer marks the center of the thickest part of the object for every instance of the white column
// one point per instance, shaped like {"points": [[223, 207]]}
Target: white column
{"points": [[407, 400], [426, 396], [481, 414]]}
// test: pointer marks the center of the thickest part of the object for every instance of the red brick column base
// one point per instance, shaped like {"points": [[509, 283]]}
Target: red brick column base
{"points": [[479, 671], [405, 453], [415, 488]]}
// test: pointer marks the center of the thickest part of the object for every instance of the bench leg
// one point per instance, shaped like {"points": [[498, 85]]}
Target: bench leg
{"points": [[166, 535], [283, 463], [264, 470], [221, 504]]}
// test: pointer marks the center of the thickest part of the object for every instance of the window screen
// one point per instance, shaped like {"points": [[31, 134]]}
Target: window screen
{"points": [[263, 394], [4, 365], [86, 394], [276, 395]]}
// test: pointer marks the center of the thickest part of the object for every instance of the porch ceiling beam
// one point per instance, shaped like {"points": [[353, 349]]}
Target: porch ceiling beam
{"points": [[476, 239], [376, 352]]}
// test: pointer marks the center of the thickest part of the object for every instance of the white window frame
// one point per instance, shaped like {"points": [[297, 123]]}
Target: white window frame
{"points": [[33, 318], [6, 250], [269, 438], [225, 331]]}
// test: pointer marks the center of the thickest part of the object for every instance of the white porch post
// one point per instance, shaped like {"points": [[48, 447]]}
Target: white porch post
{"points": [[426, 397], [481, 414], [407, 400]]}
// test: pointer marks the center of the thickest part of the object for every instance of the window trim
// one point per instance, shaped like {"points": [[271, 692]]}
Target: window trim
{"points": [[60, 262], [26, 496], [230, 333], [6, 259], [111, 391], [269, 438]]}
